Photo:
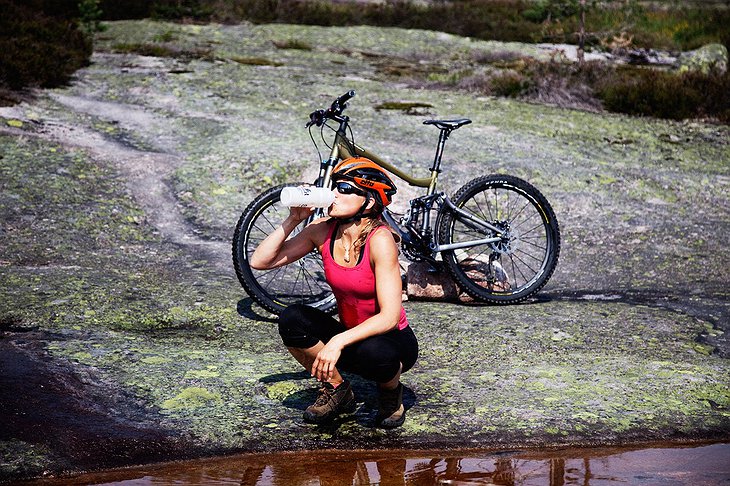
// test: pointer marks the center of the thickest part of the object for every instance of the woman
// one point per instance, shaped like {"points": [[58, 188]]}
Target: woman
{"points": [[360, 257]]}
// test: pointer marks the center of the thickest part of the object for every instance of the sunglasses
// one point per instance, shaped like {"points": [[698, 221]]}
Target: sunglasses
{"points": [[345, 188]]}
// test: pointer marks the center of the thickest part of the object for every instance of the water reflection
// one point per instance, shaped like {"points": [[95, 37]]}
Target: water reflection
{"points": [[707, 465]]}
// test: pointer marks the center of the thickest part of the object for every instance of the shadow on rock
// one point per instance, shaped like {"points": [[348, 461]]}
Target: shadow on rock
{"points": [[366, 397], [245, 309], [300, 375], [50, 403]]}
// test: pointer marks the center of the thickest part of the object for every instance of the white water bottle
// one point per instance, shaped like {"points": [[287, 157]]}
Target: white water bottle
{"points": [[306, 197]]}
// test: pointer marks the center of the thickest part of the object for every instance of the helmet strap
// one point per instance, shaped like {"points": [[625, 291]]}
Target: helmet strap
{"points": [[357, 217]]}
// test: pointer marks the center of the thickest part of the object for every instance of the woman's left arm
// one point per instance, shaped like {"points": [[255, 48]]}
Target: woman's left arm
{"points": [[388, 288]]}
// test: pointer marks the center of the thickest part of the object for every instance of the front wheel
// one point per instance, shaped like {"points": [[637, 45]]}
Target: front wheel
{"points": [[522, 261], [302, 282]]}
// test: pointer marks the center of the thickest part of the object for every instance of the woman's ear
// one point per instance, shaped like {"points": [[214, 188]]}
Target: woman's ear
{"points": [[371, 203]]}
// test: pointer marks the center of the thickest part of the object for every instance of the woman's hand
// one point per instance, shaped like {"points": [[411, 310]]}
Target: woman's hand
{"points": [[326, 360], [300, 214]]}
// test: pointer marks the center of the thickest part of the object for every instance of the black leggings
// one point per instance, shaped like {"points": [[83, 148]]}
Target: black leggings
{"points": [[376, 358]]}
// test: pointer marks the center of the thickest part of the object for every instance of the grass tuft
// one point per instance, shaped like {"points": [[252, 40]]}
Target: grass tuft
{"points": [[292, 44]]}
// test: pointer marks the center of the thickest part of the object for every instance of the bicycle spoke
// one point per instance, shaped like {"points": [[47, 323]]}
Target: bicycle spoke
{"points": [[313, 278], [306, 280], [534, 272], [273, 274], [477, 208], [296, 280], [475, 257], [480, 210], [264, 273], [257, 226], [267, 220], [520, 212], [534, 245], [539, 260], [514, 272], [496, 204], [470, 233], [538, 225]]}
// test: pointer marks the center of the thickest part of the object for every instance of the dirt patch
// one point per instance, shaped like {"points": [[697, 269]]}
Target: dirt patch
{"points": [[81, 421]]}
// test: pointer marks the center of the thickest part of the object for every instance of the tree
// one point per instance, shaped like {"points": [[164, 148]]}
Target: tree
{"points": [[582, 33]]}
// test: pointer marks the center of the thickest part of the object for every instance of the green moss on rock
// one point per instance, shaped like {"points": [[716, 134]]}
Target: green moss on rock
{"points": [[190, 398]]}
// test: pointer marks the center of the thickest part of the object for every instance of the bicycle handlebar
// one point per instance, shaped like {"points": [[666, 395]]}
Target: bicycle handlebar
{"points": [[344, 98], [318, 117]]}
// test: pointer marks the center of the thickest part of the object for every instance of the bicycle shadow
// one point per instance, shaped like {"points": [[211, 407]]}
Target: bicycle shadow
{"points": [[366, 398], [468, 302], [245, 308]]}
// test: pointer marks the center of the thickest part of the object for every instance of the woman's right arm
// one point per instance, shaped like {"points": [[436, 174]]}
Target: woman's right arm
{"points": [[276, 250]]}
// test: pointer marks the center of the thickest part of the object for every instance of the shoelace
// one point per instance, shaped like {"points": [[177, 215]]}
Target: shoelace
{"points": [[325, 394]]}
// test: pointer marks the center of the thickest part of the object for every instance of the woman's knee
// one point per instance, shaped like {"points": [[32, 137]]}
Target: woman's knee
{"points": [[293, 314], [293, 327], [379, 361]]}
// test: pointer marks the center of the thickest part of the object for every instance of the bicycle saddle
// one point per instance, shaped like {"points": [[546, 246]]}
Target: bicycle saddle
{"points": [[448, 124]]}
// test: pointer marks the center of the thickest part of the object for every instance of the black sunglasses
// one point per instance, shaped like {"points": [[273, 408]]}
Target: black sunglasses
{"points": [[345, 188]]}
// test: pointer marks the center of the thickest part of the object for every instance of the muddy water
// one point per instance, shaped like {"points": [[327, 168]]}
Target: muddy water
{"points": [[697, 466]]}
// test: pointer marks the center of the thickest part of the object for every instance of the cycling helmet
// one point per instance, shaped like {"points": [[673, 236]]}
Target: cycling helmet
{"points": [[366, 175]]}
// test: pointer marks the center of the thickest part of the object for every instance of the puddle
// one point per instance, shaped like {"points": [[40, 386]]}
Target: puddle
{"points": [[698, 466]]}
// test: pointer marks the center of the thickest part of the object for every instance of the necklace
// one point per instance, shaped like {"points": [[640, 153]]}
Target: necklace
{"points": [[346, 248]]}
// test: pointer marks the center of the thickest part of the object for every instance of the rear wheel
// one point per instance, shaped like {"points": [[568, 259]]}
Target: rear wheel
{"points": [[522, 261], [302, 282]]}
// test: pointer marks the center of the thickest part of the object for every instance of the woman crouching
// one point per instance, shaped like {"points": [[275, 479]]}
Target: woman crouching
{"points": [[372, 337]]}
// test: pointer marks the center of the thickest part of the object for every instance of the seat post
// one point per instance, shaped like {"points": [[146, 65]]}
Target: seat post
{"points": [[443, 136]]}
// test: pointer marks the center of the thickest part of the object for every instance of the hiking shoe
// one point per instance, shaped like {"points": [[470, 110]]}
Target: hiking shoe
{"points": [[330, 403], [391, 412]]}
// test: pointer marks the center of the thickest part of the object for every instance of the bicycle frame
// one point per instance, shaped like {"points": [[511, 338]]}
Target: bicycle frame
{"points": [[514, 237], [343, 148]]}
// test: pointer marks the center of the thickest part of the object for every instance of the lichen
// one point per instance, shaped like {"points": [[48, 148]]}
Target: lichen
{"points": [[189, 398]]}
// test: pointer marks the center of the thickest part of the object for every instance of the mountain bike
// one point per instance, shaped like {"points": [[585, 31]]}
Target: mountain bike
{"points": [[498, 236]]}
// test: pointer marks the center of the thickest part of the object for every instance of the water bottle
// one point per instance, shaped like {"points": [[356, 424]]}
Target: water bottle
{"points": [[306, 197]]}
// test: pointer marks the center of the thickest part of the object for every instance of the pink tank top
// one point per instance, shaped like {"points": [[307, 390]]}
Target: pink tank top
{"points": [[354, 287]]}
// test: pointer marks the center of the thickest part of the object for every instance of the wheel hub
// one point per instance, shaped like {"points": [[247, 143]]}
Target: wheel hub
{"points": [[510, 239]]}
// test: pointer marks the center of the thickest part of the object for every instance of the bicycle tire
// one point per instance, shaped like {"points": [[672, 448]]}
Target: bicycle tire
{"points": [[527, 255], [301, 282]]}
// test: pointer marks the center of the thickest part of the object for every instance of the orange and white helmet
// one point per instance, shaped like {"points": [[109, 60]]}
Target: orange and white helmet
{"points": [[368, 176]]}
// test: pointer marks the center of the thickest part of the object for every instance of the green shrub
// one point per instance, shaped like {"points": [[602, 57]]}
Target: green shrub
{"points": [[508, 83], [667, 95], [90, 16], [127, 9], [497, 58], [37, 49], [164, 50], [668, 25], [545, 10], [295, 44], [176, 9], [563, 83]]}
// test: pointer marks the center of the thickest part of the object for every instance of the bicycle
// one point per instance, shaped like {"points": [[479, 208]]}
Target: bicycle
{"points": [[498, 236]]}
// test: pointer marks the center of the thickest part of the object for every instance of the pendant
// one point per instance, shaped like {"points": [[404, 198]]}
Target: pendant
{"points": [[347, 255]]}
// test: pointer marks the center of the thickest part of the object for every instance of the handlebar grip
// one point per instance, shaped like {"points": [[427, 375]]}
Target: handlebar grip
{"points": [[343, 99]]}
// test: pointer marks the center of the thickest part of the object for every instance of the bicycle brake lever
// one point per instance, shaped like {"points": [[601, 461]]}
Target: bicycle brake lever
{"points": [[316, 118]]}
